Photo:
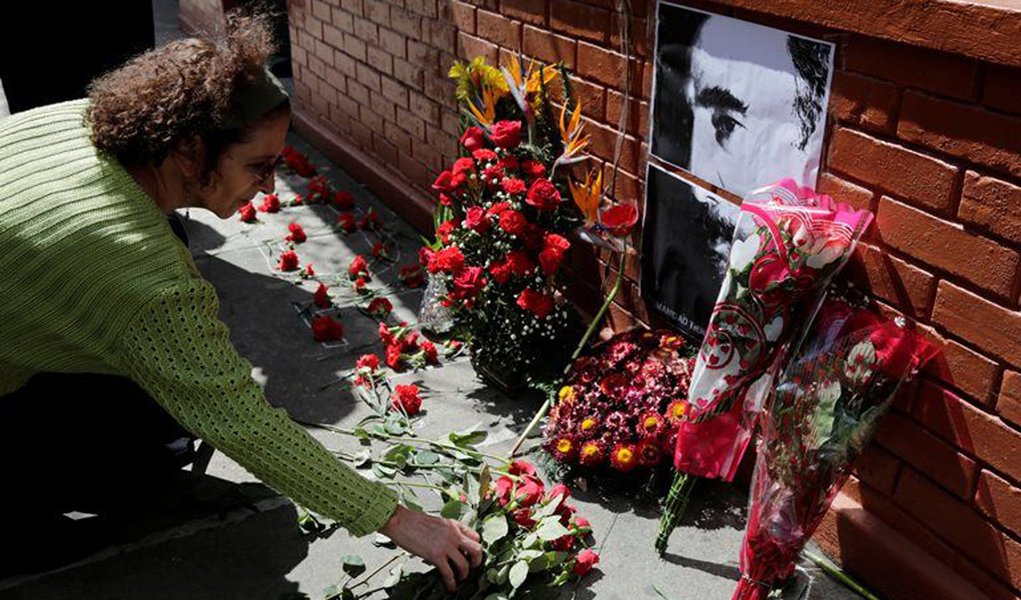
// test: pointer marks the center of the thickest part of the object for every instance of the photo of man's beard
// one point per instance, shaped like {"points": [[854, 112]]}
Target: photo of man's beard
{"points": [[710, 121], [685, 249]]}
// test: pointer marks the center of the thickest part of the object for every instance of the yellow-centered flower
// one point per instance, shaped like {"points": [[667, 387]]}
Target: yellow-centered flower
{"points": [[566, 394]]}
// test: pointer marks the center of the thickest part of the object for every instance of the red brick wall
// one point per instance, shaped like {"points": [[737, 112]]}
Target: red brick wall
{"points": [[929, 141]]}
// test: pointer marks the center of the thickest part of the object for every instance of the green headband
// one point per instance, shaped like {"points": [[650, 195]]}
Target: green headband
{"points": [[255, 100]]}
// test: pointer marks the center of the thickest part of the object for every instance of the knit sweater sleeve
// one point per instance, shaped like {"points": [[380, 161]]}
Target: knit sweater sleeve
{"points": [[178, 350]]}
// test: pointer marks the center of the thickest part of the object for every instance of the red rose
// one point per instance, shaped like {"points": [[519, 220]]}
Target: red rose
{"points": [[380, 307], [619, 219], [554, 248], [270, 204], [406, 398], [463, 166], [447, 260], [473, 139], [561, 491], [563, 544], [347, 222], [322, 296], [533, 169], [297, 234], [288, 261], [484, 155], [393, 356], [582, 523], [431, 355], [502, 488], [358, 267], [513, 222], [529, 492], [584, 563], [543, 195], [247, 212], [506, 134], [325, 329], [539, 304], [513, 185], [343, 200], [368, 361], [476, 219]]}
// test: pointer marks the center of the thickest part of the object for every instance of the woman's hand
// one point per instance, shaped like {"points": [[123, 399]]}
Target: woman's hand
{"points": [[441, 542]]}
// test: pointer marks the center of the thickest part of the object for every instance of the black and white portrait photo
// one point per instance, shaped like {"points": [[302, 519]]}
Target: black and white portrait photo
{"points": [[685, 249], [737, 104]]}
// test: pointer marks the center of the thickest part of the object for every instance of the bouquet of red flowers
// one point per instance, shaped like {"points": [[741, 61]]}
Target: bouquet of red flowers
{"points": [[504, 219], [823, 412], [621, 406], [788, 245]]}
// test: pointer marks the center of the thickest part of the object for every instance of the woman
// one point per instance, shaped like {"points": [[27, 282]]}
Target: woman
{"points": [[96, 289]]}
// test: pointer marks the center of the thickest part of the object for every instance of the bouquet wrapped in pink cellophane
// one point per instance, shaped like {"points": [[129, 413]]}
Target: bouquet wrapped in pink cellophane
{"points": [[822, 413], [788, 244]]}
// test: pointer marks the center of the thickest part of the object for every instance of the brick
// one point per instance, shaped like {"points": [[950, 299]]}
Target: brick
{"points": [[391, 41], [1000, 500], [344, 64], [359, 93], [382, 106], [603, 142], [906, 286], [598, 64], [353, 6], [910, 175], [961, 526], [405, 22], [580, 20], [335, 79], [642, 35], [354, 47], [498, 29], [529, 11], [989, 326], [423, 107], [925, 452], [863, 102], [637, 122], [969, 132], [371, 119], [464, 16], [380, 59], [411, 123], [366, 30], [962, 368], [410, 74], [549, 47], [321, 11], [469, 46], [1002, 89], [387, 152], [397, 136], [368, 77], [414, 171], [441, 34], [334, 37], [1009, 403], [938, 72], [992, 204], [426, 8], [344, 21], [394, 92], [378, 13], [592, 97], [971, 429], [946, 245], [878, 468], [845, 191], [423, 55], [362, 135]]}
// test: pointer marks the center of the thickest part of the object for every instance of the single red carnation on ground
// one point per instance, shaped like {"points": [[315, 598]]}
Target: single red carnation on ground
{"points": [[358, 267], [247, 212], [380, 308], [506, 134], [322, 296], [368, 361], [406, 398], [429, 349], [539, 304], [325, 329], [393, 356], [379, 250], [270, 203], [584, 563], [309, 271], [370, 221], [297, 233], [343, 200], [359, 285], [347, 222], [288, 260]]}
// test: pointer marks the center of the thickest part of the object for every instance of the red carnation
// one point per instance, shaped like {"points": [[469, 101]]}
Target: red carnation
{"points": [[247, 212], [379, 250], [297, 234], [520, 467], [322, 296], [444, 230], [619, 219], [406, 398], [359, 285], [513, 185], [347, 222], [343, 200], [513, 222], [393, 356], [447, 260], [468, 283], [539, 304], [498, 208], [463, 166], [506, 134], [584, 563], [358, 267], [447, 182], [543, 195], [534, 169], [473, 139], [270, 204], [431, 354], [476, 219], [368, 361], [484, 155], [523, 517], [288, 260], [380, 308], [554, 248], [370, 221], [510, 162], [520, 263], [325, 329]]}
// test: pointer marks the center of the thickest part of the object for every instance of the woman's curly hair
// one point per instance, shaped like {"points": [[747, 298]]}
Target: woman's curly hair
{"points": [[141, 111]]}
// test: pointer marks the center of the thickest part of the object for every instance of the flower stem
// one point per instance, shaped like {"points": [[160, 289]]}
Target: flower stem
{"points": [[839, 574], [577, 352], [676, 505], [365, 580]]}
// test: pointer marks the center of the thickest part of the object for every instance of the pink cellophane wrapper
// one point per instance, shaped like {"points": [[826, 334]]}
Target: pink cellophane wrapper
{"points": [[788, 244], [823, 412]]}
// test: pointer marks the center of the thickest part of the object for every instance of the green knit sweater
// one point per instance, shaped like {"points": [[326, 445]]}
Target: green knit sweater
{"points": [[93, 279]]}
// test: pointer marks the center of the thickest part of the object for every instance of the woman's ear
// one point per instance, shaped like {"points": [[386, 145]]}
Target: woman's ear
{"points": [[190, 155]]}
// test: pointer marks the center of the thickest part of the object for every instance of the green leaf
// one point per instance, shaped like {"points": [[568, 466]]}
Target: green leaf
{"points": [[427, 457], [453, 509], [530, 555], [361, 458], [485, 479], [551, 530], [354, 565], [494, 528], [463, 439], [383, 471], [396, 424], [518, 574]]}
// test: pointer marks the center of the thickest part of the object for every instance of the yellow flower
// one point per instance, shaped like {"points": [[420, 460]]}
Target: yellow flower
{"points": [[588, 423], [650, 422], [566, 394], [564, 445]]}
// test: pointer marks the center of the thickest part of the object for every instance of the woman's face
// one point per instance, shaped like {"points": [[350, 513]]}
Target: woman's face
{"points": [[246, 168]]}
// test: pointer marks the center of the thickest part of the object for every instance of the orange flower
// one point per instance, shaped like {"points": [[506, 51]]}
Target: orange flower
{"points": [[571, 134], [623, 458], [591, 453], [677, 411], [588, 195]]}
